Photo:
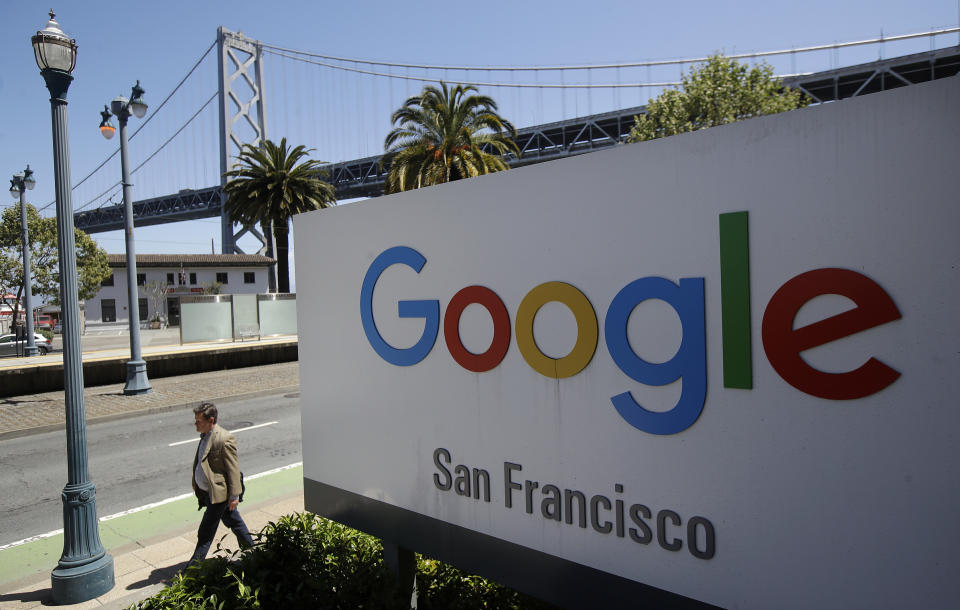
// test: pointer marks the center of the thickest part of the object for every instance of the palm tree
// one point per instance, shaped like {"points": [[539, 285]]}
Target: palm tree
{"points": [[271, 184], [443, 135]]}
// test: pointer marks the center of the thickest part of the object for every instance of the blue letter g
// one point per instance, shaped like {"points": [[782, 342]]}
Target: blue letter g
{"points": [[689, 363], [428, 310]]}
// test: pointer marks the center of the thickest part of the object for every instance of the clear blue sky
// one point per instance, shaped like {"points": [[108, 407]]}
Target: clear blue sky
{"points": [[157, 42]]}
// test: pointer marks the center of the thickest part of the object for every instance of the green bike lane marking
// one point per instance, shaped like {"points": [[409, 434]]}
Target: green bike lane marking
{"points": [[172, 516]]}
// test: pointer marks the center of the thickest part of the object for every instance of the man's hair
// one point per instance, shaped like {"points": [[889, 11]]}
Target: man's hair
{"points": [[207, 409]]}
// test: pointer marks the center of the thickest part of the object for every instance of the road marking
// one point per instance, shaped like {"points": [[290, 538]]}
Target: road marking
{"points": [[274, 471], [143, 508], [194, 440]]}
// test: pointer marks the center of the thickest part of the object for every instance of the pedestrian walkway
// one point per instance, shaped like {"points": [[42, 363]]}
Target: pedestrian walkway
{"points": [[143, 558], [21, 415], [113, 349]]}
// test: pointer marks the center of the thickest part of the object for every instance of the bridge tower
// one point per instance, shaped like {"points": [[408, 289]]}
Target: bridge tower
{"points": [[243, 120]]}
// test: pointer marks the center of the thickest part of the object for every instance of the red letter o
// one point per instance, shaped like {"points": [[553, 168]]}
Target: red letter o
{"points": [[488, 299]]}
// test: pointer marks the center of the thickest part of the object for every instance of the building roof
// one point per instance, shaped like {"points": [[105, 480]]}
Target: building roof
{"points": [[192, 260]]}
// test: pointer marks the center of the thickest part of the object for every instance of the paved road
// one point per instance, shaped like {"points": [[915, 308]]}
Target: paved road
{"points": [[132, 462]]}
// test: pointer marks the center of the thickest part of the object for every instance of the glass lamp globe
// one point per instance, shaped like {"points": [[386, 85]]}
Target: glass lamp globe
{"points": [[137, 104], [106, 128], [53, 49], [28, 180], [138, 109]]}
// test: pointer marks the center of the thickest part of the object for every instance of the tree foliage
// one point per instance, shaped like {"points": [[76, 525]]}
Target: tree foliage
{"points": [[157, 293], [446, 134], [92, 265], [272, 183], [719, 91], [212, 287]]}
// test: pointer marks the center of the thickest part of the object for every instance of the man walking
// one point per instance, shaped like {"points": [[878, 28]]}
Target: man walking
{"points": [[216, 481]]}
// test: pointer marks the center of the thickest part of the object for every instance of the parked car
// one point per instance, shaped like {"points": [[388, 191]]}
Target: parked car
{"points": [[58, 327], [9, 346]]}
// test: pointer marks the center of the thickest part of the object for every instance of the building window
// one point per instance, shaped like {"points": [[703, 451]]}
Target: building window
{"points": [[170, 279], [222, 277], [193, 279], [249, 277], [107, 281], [142, 309], [141, 279], [108, 310]]}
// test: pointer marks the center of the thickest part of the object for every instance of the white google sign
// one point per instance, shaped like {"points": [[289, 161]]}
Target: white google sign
{"points": [[719, 368]]}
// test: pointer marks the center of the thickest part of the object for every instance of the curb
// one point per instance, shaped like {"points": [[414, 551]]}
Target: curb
{"points": [[148, 411]]}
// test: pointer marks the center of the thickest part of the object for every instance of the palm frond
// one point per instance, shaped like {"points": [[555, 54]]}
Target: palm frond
{"points": [[445, 134]]}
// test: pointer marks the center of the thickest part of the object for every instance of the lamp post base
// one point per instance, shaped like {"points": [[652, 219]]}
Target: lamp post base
{"points": [[28, 351], [137, 382], [82, 583], [85, 569]]}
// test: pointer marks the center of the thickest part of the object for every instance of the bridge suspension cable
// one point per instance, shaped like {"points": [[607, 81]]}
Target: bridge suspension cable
{"points": [[429, 79], [640, 64]]}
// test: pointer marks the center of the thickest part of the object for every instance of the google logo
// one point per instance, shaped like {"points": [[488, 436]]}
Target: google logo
{"points": [[782, 343]]}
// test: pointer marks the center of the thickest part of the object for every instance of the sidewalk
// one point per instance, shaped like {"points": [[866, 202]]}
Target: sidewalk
{"points": [[99, 346], [141, 566], [150, 545]]}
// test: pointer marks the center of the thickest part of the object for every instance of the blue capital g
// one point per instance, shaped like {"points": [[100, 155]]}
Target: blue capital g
{"points": [[428, 310]]}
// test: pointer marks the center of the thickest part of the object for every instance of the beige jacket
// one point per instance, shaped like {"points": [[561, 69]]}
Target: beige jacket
{"points": [[220, 464]]}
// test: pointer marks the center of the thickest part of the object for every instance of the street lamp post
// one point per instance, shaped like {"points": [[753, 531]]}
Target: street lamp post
{"points": [[85, 569], [137, 382], [20, 183]]}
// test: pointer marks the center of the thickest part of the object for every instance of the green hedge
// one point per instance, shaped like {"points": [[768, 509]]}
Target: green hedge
{"points": [[306, 561]]}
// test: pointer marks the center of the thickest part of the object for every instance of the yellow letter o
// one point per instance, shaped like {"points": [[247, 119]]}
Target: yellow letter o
{"points": [[587, 333]]}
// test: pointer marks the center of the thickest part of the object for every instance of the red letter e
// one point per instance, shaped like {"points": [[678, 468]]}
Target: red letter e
{"points": [[783, 344]]}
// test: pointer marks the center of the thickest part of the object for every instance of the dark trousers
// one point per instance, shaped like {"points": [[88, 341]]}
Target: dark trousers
{"points": [[212, 516]]}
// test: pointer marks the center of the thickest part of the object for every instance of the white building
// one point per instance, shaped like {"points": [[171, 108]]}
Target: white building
{"points": [[183, 275]]}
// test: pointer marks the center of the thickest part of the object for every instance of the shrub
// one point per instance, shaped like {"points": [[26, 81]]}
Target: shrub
{"points": [[443, 587], [305, 561]]}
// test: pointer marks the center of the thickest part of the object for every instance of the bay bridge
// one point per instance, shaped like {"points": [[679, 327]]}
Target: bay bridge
{"points": [[185, 185]]}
